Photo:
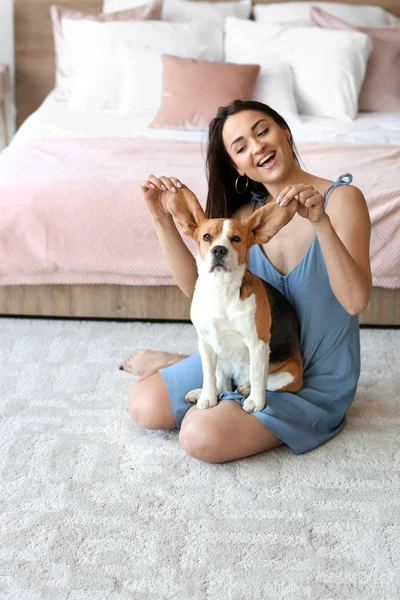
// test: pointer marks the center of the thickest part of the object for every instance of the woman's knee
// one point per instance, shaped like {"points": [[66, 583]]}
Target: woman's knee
{"points": [[138, 408], [201, 438], [148, 407]]}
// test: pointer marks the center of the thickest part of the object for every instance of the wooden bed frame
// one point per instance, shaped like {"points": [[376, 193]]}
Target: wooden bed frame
{"points": [[34, 79]]}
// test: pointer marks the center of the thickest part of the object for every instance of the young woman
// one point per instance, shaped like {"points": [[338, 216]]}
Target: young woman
{"points": [[319, 261]]}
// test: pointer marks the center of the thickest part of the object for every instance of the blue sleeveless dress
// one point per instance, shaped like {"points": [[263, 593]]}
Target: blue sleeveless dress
{"points": [[330, 347]]}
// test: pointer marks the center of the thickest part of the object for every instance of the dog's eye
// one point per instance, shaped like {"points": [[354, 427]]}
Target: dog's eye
{"points": [[207, 237], [236, 238]]}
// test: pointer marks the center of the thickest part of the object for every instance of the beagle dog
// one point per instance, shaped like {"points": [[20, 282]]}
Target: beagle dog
{"points": [[247, 330]]}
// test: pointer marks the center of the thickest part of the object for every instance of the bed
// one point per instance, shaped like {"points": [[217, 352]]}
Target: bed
{"points": [[111, 265]]}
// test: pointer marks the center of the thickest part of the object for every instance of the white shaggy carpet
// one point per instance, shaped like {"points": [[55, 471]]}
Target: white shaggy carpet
{"points": [[94, 508]]}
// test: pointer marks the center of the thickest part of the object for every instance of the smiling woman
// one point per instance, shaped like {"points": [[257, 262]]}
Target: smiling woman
{"points": [[319, 261], [252, 141], [224, 177]]}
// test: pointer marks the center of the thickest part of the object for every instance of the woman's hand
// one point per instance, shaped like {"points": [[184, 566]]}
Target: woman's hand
{"points": [[156, 190], [310, 201]]}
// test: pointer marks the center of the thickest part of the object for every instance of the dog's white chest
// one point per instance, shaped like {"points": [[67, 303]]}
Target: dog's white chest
{"points": [[223, 320], [223, 338]]}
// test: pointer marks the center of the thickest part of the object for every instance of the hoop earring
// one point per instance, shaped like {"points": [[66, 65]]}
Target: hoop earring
{"points": [[245, 187]]}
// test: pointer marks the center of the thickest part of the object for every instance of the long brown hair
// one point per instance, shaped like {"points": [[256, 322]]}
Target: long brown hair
{"points": [[222, 198]]}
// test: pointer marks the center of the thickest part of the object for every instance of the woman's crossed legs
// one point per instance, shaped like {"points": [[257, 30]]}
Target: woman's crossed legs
{"points": [[220, 434]]}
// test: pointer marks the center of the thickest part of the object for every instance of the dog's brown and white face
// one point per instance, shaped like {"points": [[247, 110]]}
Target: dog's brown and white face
{"points": [[224, 243]]}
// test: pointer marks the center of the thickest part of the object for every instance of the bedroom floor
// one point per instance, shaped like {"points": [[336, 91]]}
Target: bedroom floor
{"points": [[93, 507]]}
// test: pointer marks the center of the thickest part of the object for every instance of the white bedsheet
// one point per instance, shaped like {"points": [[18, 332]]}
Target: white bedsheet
{"points": [[54, 121]]}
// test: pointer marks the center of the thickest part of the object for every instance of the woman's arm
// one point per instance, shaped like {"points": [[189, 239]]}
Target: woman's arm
{"points": [[344, 238], [179, 259]]}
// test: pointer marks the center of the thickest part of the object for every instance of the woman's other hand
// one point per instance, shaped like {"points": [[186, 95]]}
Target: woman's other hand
{"points": [[310, 201], [155, 191]]}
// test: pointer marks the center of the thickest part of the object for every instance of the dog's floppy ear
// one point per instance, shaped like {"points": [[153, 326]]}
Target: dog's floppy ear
{"points": [[186, 210], [265, 222]]}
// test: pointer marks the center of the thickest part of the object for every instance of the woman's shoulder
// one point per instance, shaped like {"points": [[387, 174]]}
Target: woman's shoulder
{"points": [[347, 206], [322, 184], [344, 190]]}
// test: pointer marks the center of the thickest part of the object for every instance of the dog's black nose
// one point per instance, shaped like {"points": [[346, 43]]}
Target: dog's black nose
{"points": [[219, 251]]}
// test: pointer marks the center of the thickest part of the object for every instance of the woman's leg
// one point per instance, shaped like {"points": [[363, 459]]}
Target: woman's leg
{"points": [[145, 362], [149, 404], [223, 433], [157, 400], [219, 434]]}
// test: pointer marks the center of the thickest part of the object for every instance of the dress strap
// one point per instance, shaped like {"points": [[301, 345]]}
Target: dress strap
{"points": [[257, 198], [344, 179]]}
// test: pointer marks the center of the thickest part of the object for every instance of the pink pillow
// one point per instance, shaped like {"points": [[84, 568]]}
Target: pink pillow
{"points": [[145, 12], [381, 88], [193, 90]]}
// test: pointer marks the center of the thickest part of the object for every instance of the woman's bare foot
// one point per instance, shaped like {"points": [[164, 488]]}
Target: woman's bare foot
{"points": [[145, 362]]}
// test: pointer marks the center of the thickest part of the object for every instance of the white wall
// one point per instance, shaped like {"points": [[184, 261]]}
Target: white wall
{"points": [[7, 55]]}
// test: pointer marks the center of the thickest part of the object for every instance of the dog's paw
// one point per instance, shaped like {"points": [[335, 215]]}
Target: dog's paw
{"points": [[193, 396], [250, 405], [206, 402], [244, 389]]}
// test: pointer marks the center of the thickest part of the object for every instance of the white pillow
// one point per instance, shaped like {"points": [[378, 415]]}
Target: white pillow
{"points": [[299, 13], [140, 99], [185, 11], [97, 73], [328, 65], [93, 82], [246, 43], [329, 69]]}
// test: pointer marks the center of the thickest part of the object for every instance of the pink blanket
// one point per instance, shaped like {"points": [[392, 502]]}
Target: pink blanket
{"points": [[72, 211]]}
